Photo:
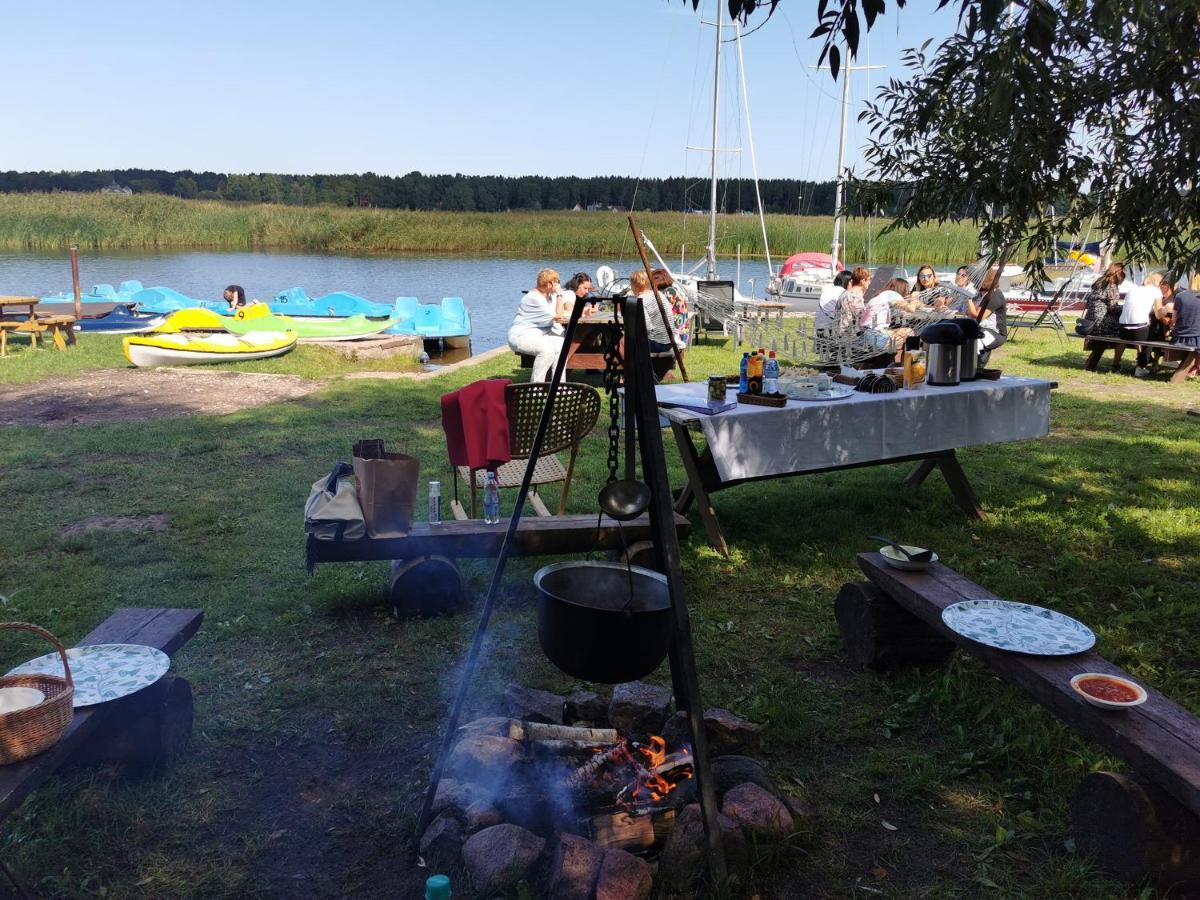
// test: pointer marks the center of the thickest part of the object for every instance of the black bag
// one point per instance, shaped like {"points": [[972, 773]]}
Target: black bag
{"points": [[1085, 326]]}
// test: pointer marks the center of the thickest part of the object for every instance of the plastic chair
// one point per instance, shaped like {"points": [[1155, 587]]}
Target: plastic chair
{"points": [[576, 409]]}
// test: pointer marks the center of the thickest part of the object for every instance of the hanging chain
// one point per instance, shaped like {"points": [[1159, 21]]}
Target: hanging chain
{"points": [[611, 343]]}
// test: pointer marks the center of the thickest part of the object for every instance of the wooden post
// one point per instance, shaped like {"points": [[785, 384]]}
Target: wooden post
{"points": [[662, 310], [150, 727], [75, 282]]}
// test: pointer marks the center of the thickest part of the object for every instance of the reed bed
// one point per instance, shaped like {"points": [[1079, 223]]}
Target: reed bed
{"points": [[140, 221]]}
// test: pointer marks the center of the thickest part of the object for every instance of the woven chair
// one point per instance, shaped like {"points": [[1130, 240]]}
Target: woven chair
{"points": [[576, 408]]}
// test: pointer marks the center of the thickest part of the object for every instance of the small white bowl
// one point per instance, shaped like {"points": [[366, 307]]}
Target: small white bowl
{"points": [[896, 561], [13, 699], [1109, 704]]}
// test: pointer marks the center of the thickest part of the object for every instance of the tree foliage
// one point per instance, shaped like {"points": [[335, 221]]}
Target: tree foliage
{"points": [[1039, 119]]}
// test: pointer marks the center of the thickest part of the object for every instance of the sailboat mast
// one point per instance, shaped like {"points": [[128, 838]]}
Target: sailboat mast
{"points": [[711, 250], [840, 191]]}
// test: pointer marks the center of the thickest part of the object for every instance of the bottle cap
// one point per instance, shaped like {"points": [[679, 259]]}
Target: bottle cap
{"points": [[437, 887], [772, 354], [435, 484]]}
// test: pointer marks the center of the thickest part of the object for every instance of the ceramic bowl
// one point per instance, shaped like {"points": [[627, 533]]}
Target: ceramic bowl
{"points": [[897, 561], [16, 698], [1109, 704]]}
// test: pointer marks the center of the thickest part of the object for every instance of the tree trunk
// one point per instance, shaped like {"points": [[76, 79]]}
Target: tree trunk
{"points": [[880, 634], [1134, 829], [425, 586]]}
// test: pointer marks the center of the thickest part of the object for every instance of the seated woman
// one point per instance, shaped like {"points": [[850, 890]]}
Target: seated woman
{"points": [[882, 312], [1185, 330], [827, 305], [926, 281], [532, 329], [1103, 304], [656, 329], [1136, 314], [994, 323]]}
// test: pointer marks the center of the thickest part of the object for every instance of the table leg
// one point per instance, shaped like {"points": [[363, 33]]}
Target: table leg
{"points": [[918, 475], [959, 486], [692, 465], [59, 341]]}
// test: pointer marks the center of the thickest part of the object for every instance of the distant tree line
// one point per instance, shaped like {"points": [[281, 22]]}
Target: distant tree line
{"points": [[464, 193]]}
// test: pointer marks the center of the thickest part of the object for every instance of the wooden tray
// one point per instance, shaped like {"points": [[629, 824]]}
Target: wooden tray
{"points": [[777, 401]]}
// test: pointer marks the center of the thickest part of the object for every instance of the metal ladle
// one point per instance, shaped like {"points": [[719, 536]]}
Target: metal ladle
{"points": [[624, 499]]}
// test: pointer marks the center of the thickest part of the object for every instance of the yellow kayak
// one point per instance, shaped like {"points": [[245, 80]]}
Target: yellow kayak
{"points": [[189, 348]]}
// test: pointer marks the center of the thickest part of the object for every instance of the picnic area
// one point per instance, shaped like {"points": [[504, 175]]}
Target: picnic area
{"points": [[317, 713]]}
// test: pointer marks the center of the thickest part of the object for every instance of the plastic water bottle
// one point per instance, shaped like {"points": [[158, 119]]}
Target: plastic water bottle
{"points": [[771, 375], [743, 382], [435, 503], [491, 500], [437, 887]]}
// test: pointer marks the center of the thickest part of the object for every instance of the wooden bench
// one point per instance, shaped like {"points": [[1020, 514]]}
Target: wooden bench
{"points": [[1135, 827], [140, 730], [424, 578], [1099, 344]]}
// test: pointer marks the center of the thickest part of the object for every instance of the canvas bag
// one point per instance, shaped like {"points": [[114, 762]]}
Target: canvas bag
{"points": [[332, 512], [387, 488]]}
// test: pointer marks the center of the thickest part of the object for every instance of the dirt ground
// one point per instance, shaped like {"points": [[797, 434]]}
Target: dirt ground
{"points": [[122, 395]]}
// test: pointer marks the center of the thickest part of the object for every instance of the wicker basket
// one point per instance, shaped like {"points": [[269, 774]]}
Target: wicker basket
{"points": [[27, 732]]}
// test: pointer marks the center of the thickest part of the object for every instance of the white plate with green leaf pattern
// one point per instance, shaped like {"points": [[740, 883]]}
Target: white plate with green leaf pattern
{"points": [[1019, 627], [103, 672]]}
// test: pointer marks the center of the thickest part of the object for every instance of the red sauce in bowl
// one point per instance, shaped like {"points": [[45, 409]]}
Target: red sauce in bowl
{"points": [[1108, 689]]}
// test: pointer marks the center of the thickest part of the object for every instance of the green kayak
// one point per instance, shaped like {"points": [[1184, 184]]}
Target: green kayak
{"points": [[260, 318]]}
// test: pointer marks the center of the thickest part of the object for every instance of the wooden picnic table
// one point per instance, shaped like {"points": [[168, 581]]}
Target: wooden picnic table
{"points": [[61, 327], [927, 425]]}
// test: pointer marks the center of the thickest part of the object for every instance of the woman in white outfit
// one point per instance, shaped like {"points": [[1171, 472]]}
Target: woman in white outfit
{"points": [[532, 330]]}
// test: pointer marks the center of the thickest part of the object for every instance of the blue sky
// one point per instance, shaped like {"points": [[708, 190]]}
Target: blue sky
{"points": [[477, 86]]}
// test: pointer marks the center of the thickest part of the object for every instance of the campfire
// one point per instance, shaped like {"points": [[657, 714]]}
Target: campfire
{"points": [[557, 801]]}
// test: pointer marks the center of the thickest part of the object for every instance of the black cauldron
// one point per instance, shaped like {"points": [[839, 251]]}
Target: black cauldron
{"points": [[591, 628]]}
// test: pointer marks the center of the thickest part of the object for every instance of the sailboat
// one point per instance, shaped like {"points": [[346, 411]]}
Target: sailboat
{"points": [[804, 276]]}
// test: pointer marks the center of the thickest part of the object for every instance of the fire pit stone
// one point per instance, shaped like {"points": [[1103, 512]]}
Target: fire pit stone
{"points": [[534, 705], [638, 708], [574, 868], [441, 845], [623, 877], [586, 706], [682, 860], [484, 759], [730, 733], [732, 770], [452, 795], [763, 815], [500, 857]]}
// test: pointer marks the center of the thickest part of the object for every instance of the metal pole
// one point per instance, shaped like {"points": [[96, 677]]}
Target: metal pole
{"points": [[839, 195], [711, 249], [762, 218], [489, 603]]}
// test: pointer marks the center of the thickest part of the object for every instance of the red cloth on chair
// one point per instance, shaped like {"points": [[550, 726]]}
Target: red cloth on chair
{"points": [[475, 419]]}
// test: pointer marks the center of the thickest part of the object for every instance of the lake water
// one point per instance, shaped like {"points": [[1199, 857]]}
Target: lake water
{"points": [[490, 286]]}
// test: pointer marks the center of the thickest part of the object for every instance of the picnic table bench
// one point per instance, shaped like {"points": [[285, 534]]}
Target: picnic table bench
{"points": [[1135, 826], [424, 578], [1099, 344], [61, 327], [141, 729]]}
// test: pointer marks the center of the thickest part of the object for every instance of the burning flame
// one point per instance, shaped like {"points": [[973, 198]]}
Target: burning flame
{"points": [[649, 783]]}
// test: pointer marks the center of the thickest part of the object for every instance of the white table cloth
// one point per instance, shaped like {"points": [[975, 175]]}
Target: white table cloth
{"points": [[806, 435]]}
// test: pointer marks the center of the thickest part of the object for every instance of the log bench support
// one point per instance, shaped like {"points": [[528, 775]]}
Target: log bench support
{"points": [[1138, 826]]}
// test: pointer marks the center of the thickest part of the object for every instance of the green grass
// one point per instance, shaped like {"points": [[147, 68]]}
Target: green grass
{"points": [[316, 713], [103, 222], [97, 351]]}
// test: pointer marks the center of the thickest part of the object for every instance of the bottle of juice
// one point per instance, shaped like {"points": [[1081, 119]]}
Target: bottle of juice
{"points": [[754, 373], [743, 384], [771, 375]]}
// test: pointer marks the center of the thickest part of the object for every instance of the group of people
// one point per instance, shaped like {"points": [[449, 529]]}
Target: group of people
{"points": [[537, 329], [1151, 311], [847, 320]]}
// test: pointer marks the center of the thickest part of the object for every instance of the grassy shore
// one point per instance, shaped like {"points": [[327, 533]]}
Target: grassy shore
{"points": [[316, 714], [102, 222]]}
